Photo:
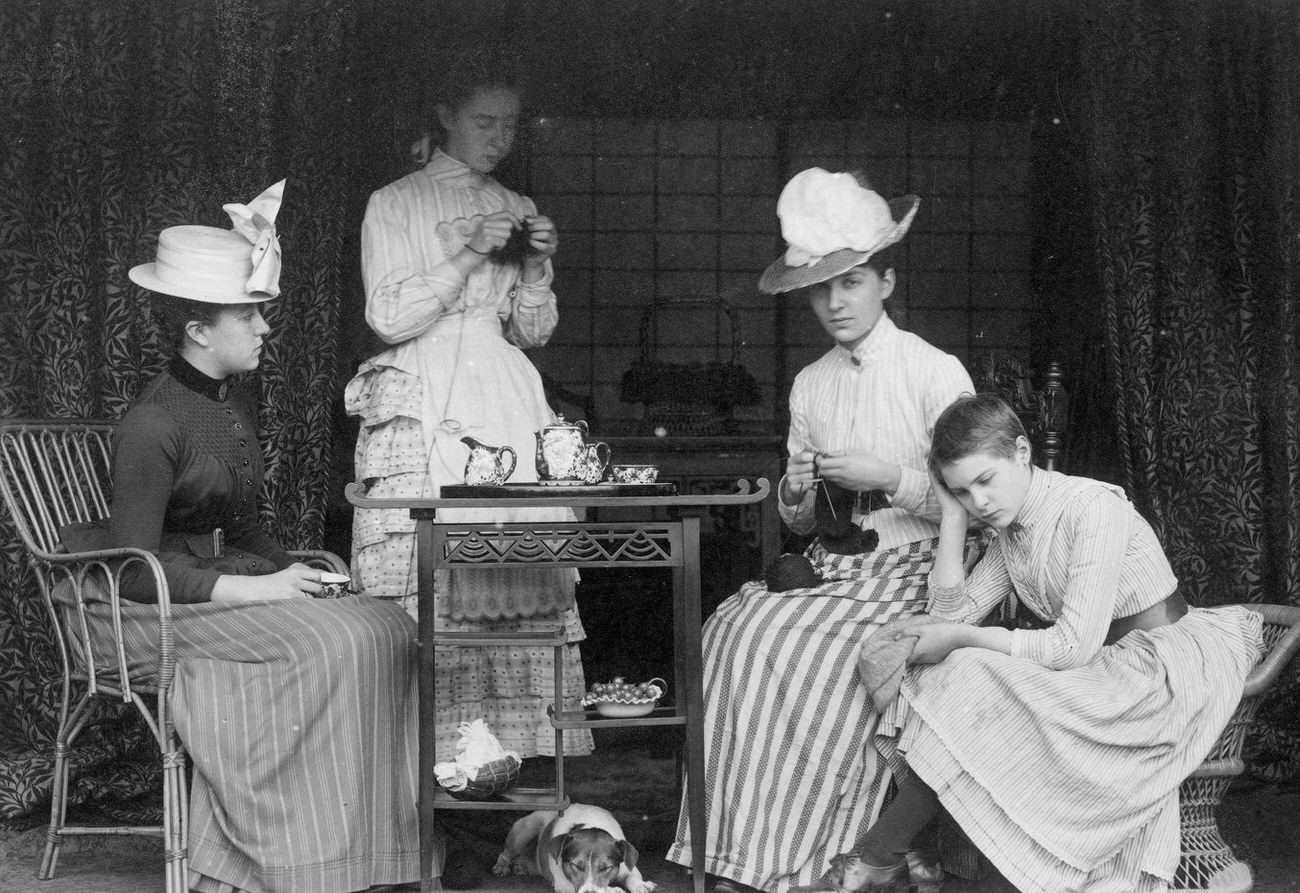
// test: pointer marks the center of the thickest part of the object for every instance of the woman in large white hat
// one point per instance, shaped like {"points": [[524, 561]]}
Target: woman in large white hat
{"points": [[294, 787], [792, 772]]}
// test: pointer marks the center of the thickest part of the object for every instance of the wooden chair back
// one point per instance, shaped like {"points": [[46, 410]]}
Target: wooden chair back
{"points": [[1041, 401]]}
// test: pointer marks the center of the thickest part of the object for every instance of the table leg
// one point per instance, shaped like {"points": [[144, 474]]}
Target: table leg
{"points": [[692, 685], [428, 724]]}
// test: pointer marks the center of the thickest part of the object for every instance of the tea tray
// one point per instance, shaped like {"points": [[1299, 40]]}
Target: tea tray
{"points": [[541, 491]]}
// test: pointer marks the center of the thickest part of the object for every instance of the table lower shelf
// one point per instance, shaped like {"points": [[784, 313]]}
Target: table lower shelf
{"points": [[518, 799], [590, 719]]}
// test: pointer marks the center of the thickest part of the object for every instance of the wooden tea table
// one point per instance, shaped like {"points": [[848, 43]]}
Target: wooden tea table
{"points": [[655, 527]]}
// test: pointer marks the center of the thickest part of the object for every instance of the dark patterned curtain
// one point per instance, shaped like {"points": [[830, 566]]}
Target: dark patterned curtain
{"points": [[116, 120], [1194, 152]]}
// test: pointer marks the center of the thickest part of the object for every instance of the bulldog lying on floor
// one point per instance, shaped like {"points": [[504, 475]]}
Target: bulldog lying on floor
{"points": [[580, 851]]}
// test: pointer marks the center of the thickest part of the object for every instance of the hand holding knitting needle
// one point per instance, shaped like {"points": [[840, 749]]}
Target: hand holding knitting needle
{"points": [[859, 470], [800, 475]]}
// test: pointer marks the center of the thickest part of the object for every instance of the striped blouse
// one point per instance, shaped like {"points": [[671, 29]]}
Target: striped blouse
{"points": [[882, 397], [412, 227], [1079, 556]]}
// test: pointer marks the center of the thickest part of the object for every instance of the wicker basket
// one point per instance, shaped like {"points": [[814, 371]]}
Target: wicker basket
{"points": [[688, 398], [494, 779]]}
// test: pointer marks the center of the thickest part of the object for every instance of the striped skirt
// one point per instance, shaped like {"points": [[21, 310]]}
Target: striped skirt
{"points": [[299, 718], [792, 774], [1068, 779]]}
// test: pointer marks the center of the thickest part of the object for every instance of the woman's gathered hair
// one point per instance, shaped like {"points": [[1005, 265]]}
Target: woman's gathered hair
{"points": [[478, 70], [172, 314], [975, 423], [883, 261], [457, 84]]}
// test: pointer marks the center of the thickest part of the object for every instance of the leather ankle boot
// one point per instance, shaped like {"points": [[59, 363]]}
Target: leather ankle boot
{"points": [[849, 874], [924, 872]]}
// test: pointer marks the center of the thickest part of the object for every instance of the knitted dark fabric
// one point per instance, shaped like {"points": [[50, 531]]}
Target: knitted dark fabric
{"points": [[186, 461], [834, 521]]}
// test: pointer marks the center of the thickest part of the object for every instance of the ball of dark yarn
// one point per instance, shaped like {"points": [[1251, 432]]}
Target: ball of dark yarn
{"points": [[790, 571]]}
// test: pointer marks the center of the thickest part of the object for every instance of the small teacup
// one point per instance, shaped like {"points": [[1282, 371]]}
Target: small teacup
{"points": [[334, 585], [634, 474]]}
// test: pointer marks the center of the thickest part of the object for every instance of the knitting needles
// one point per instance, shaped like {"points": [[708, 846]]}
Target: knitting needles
{"points": [[817, 458]]}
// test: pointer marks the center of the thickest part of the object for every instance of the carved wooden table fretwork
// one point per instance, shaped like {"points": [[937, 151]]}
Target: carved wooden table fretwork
{"points": [[654, 526]]}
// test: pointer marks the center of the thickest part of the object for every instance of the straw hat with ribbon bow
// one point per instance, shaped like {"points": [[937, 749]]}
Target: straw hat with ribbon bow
{"points": [[831, 224], [220, 266]]}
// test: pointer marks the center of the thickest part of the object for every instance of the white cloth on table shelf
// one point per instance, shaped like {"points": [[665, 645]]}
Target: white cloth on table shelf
{"points": [[477, 747]]}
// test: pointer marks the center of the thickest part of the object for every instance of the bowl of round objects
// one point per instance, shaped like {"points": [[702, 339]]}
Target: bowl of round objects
{"points": [[621, 699]]}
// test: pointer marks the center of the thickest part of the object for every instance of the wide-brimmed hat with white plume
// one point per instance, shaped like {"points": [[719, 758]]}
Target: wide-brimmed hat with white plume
{"points": [[220, 266], [831, 224]]}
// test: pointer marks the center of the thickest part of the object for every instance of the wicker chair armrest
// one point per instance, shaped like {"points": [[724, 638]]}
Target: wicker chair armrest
{"points": [[122, 555], [106, 566], [1268, 669], [322, 559]]}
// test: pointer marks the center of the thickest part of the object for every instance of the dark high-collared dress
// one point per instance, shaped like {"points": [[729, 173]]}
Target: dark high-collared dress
{"points": [[298, 715]]}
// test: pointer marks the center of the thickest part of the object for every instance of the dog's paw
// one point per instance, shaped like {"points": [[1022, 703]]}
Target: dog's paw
{"points": [[642, 886], [503, 865]]}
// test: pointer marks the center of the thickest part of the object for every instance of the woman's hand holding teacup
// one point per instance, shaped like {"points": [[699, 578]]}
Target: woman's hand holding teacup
{"points": [[295, 581]]}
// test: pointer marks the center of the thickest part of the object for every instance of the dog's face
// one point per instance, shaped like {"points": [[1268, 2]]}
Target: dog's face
{"points": [[591, 859]]}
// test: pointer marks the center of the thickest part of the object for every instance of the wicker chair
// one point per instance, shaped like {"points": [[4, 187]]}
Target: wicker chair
{"points": [[1208, 863], [1206, 858], [54, 473]]}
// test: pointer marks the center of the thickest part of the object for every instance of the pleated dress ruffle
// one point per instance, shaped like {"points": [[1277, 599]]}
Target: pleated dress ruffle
{"points": [[471, 382]]}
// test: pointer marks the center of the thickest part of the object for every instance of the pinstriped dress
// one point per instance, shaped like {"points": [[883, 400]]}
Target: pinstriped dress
{"points": [[1062, 760], [299, 719], [792, 773]]}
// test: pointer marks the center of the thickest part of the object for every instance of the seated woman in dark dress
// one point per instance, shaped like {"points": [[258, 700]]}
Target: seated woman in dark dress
{"points": [[298, 713]]}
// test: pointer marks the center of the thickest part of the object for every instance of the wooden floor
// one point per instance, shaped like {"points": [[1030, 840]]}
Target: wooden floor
{"points": [[634, 775]]}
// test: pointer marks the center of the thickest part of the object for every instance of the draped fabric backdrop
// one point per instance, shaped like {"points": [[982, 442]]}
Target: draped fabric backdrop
{"points": [[121, 117], [1194, 153], [116, 120]]}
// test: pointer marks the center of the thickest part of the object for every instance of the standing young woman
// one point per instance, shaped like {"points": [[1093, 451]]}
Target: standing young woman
{"points": [[458, 275], [296, 713], [1059, 751]]}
